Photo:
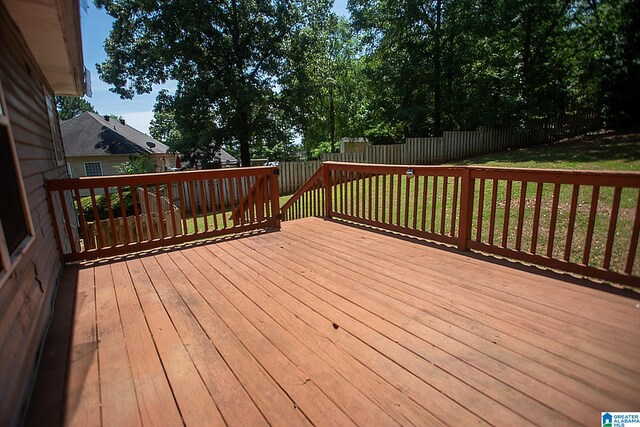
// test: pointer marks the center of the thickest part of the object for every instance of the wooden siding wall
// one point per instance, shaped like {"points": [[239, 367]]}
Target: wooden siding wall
{"points": [[26, 296]]}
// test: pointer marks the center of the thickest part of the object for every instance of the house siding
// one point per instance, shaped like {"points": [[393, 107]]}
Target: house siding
{"points": [[26, 295]]}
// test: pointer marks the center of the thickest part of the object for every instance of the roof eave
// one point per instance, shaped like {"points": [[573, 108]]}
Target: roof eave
{"points": [[51, 29]]}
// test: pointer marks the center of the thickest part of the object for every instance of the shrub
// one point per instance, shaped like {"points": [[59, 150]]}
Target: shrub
{"points": [[101, 206], [382, 135]]}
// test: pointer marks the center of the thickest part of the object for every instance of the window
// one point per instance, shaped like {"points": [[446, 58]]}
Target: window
{"points": [[56, 136], [15, 220], [93, 169], [69, 170]]}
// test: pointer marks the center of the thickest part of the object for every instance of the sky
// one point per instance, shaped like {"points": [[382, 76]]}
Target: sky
{"points": [[138, 111]]}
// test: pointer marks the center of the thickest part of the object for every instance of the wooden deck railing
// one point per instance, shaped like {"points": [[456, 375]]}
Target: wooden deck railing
{"points": [[137, 212], [577, 221]]}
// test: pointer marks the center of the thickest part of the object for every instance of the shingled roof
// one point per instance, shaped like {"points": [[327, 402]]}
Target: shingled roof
{"points": [[90, 134]]}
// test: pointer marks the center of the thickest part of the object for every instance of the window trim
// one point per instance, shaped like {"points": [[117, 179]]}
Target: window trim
{"points": [[8, 262], [85, 169], [54, 125]]}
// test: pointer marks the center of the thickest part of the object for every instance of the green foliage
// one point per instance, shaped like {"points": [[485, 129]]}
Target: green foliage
{"points": [[101, 206], [322, 147], [227, 58], [137, 163], [325, 75], [277, 152], [255, 76], [72, 106], [382, 135]]}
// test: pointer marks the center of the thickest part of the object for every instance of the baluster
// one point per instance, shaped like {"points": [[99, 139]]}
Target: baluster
{"points": [[536, 218], [223, 205], [425, 188], [507, 214], [399, 192], [572, 221], [434, 198], [183, 207], [443, 212], [96, 217], [83, 223], [523, 195], [554, 219], [494, 203], [112, 223], [125, 221], [454, 207], [634, 239], [407, 184], [162, 232], [595, 195], [203, 204], [136, 214], [611, 234], [174, 226], [480, 210]]}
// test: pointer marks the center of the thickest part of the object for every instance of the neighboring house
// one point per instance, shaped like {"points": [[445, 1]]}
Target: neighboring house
{"points": [[41, 57], [222, 159], [95, 145]]}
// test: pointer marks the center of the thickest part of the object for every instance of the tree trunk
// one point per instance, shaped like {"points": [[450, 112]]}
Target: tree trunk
{"points": [[332, 120], [526, 56], [437, 70], [244, 138]]}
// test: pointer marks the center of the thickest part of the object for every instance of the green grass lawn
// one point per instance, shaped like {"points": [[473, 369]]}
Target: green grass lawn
{"points": [[610, 151], [614, 151], [605, 151]]}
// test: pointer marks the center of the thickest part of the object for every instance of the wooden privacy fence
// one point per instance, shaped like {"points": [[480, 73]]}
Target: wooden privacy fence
{"points": [[576, 221], [450, 146], [164, 209], [453, 145], [294, 174]]}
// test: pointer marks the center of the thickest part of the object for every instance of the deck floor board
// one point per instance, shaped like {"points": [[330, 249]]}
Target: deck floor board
{"points": [[324, 323]]}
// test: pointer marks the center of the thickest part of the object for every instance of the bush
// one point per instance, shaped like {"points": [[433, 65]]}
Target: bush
{"points": [[101, 206], [382, 135], [322, 147]]}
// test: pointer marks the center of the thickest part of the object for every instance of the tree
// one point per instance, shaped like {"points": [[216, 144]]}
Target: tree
{"points": [[72, 106], [455, 64], [227, 57], [323, 88], [137, 163], [606, 75]]}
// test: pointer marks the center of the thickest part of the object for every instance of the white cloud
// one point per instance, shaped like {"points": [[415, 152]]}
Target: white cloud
{"points": [[139, 120]]}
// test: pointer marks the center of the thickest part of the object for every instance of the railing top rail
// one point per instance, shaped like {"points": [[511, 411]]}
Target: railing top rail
{"points": [[155, 178], [533, 171], [560, 176], [343, 165], [374, 168]]}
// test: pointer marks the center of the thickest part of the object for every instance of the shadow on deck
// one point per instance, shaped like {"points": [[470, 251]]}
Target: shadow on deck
{"points": [[329, 324]]}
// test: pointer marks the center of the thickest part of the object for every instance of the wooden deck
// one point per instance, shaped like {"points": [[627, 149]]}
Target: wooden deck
{"points": [[329, 324]]}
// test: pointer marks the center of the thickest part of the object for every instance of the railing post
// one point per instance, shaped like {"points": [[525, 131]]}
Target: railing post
{"points": [[326, 184], [466, 208], [275, 197]]}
